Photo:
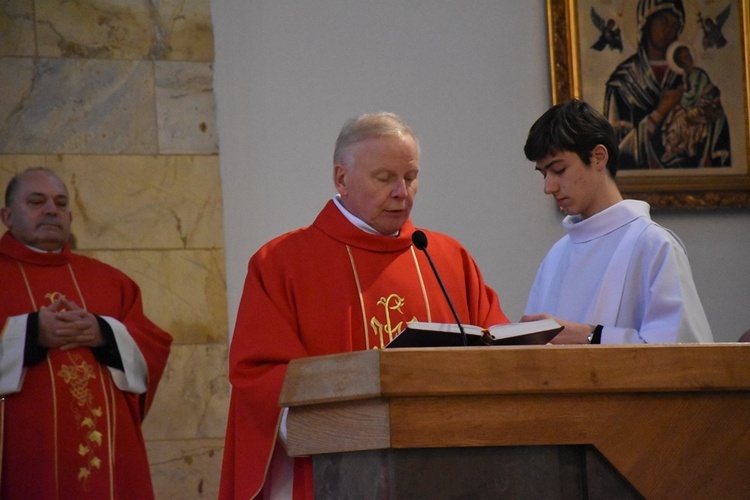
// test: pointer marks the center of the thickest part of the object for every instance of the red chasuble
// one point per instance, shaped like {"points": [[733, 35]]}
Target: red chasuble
{"points": [[70, 432], [324, 289]]}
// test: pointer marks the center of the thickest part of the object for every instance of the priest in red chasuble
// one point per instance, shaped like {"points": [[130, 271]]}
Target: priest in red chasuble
{"points": [[79, 361], [350, 281]]}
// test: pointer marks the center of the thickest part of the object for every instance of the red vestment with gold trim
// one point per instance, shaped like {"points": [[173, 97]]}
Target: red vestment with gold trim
{"points": [[70, 432], [324, 289]]}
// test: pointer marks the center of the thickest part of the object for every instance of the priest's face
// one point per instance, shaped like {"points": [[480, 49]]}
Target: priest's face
{"points": [[38, 214], [380, 182]]}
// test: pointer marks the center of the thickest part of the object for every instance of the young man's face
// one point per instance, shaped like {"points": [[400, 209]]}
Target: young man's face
{"points": [[380, 185], [575, 186], [39, 214]]}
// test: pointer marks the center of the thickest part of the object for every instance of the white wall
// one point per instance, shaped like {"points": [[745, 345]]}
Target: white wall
{"points": [[470, 77]]}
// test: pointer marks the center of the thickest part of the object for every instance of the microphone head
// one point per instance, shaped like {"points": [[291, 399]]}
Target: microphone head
{"points": [[419, 239]]}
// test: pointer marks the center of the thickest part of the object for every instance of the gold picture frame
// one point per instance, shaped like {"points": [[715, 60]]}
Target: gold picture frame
{"points": [[581, 67]]}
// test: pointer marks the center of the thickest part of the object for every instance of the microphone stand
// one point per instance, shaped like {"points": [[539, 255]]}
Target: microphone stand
{"points": [[420, 241]]}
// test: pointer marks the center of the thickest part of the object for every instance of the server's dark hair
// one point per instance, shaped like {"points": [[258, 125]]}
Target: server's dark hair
{"points": [[572, 126]]}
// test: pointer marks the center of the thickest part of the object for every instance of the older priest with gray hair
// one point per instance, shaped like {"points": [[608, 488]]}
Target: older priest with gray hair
{"points": [[350, 281]]}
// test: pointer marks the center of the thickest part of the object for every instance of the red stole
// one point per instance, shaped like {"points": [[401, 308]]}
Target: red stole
{"points": [[391, 295], [72, 387]]}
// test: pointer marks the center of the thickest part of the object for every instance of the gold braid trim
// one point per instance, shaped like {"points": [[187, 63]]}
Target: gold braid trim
{"points": [[54, 422], [421, 284], [28, 286], [78, 288], [111, 421], [361, 299]]}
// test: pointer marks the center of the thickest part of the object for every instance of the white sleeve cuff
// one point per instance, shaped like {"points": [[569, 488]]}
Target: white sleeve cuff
{"points": [[12, 347], [621, 335], [134, 378]]}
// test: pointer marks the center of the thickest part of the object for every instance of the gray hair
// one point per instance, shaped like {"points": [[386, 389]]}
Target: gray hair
{"points": [[365, 127]]}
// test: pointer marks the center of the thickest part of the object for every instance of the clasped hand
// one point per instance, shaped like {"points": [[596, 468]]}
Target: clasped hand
{"points": [[66, 325]]}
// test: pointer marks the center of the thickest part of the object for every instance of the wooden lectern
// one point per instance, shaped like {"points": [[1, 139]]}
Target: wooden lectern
{"points": [[656, 421]]}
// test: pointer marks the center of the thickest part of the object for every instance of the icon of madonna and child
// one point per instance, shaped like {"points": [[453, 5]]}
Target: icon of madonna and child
{"points": [[664, 107]]}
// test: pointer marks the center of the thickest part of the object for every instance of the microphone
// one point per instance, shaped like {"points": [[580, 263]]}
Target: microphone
{"points": [[420, 241]]}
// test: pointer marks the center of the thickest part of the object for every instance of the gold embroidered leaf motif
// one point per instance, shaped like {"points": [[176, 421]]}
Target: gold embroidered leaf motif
{"points": [[96, 437], [87, 370], [97, 411], [83, 450], [83, 473], [67, 373], [96, 462], [87, 422]]}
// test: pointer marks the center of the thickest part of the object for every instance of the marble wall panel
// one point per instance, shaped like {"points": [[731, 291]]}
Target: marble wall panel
{"points": [[184, 430], [187, 30], [10, 165], [16, 28], [184, 291], [94, 29], [186, 469], [122, 29], [192, 400], [79, 106], [144, 202], [185, 108], [16, 80]]}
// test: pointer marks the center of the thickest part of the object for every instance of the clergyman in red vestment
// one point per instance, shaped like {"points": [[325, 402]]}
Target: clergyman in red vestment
{"points": [[79, 360], [350, 281]]}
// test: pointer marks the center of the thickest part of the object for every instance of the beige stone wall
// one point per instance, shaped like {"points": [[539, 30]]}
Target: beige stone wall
{"points": [[117, 97]]}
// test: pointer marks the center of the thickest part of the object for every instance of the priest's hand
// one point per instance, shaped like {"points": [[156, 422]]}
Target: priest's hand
{"points": [[572, 333], [67, 325], [47, 336]]}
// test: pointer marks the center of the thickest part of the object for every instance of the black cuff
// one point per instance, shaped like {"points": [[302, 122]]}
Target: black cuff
{"points": [[33, 353], [596, 335], [107, 354]]}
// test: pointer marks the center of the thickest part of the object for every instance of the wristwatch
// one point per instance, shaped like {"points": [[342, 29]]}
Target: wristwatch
{"points": [[595, 337]]}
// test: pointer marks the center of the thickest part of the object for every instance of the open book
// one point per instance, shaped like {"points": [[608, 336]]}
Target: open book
{"points": [[423, 334]]}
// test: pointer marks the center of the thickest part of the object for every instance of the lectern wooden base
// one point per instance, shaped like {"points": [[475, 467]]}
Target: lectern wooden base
{"points": [[522, 472], [673, 420]]}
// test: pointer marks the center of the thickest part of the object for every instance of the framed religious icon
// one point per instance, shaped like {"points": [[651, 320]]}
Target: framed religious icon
{"points": [[672, 76]]}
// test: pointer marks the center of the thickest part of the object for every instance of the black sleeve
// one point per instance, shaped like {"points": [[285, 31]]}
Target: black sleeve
{"points": [[33, 353], [109, 353]]}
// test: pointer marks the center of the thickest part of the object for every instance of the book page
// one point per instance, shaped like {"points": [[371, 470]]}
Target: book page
{"points": [[510, 330]]}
